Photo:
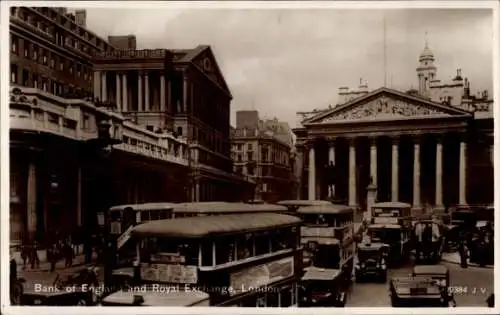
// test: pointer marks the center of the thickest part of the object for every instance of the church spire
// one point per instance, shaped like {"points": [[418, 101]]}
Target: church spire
{"points": [[426, 41]]}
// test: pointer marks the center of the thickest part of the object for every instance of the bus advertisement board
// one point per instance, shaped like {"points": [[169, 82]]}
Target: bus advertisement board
{"points": [[261, 275]]}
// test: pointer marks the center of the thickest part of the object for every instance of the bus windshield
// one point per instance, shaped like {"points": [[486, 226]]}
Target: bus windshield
{"points": [[326, 256], [385, 235], [318, 219]]}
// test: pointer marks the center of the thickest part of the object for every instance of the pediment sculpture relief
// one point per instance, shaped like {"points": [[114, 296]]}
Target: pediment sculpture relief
{"points": [[384, 108]]}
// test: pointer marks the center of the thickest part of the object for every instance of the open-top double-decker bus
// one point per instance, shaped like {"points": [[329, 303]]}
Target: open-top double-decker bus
{"points": [[246, 260], [329, 249]]}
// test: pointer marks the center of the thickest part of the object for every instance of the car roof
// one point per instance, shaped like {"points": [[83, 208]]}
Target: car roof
{"points": [[302, 203], [392, 205], [371, 246], [197, 227], [403, 285], [173, 298], [384, 226], [315, 273], [144, 206], [319, 240], [430, 270], [325, 209]]}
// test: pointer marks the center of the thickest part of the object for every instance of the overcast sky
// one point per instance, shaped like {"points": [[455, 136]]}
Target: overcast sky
{"points": [[283, 61]]}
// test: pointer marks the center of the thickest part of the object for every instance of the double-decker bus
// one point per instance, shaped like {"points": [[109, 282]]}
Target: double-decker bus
{"points": [[329, 248], [245, 260], [194, 209]]}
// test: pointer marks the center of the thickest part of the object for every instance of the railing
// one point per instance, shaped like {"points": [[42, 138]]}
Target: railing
{"points": [[34, 110], [131, 53]]}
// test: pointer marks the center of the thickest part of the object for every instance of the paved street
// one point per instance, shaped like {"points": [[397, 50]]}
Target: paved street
{"points": [[477, 281]]}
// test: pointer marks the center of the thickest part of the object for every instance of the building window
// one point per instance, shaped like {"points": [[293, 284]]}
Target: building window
{"points": [[250, 156], [86, 122], [13, 73], [25, 77], [250, 147], [239, 158], [179, 131], [14, 44], [52, 63], [44, 58], [240, 146], [26, 51], [61, 66], [35, 53], [35, 80]]}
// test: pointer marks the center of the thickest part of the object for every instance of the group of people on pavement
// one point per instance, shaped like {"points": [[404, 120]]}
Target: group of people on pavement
{"points": [[59, 247]]}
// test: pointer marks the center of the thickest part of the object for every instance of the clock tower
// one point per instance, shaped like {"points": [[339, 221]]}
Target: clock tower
{"points": [[426, 70]]}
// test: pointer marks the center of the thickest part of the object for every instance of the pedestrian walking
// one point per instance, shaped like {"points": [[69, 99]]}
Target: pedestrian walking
{"points": [[87, 247], [68, 254], [491, 300], [463, 251], [53, 256], [33, 255]]}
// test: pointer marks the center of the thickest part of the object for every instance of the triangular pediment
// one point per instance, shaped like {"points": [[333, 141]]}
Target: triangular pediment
{"points": [[385, 104], [205, 61]]}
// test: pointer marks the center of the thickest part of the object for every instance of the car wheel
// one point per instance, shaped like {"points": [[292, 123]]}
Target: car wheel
{"points": [[81, 302]]}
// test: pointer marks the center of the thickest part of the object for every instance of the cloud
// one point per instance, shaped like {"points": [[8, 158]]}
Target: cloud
{"points": [[282, 61]]}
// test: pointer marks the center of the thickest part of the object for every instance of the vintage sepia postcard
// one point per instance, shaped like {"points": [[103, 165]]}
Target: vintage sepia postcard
{"points": [[306, 157]]}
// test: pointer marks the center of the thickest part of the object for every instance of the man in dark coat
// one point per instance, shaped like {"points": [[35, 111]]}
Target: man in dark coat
{"points": [[330, 178]]}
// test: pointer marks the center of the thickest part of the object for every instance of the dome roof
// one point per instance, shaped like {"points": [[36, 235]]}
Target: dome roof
{"points": [[426, 53]]}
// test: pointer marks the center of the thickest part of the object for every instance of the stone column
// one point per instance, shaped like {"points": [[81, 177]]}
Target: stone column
{"points": [[373, 161], [139, 92], [312, 174], [197, 189], [395, 169], [146, 94], [439, 174], [185, 93], [463, 173], [124, 92], [162, 93], [97, 84], [31, 201], [416, 175], [79, 197], [169, 96], [104, 93], [352, 174], [118, 93]]}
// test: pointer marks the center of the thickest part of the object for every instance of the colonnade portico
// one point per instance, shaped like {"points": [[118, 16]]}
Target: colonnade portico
{"points": [[152, 94], [395, 171]]}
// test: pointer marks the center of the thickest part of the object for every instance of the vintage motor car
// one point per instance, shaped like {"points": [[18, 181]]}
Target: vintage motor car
{"points": [[75, 289], [438, 273], [482, 249], [371, 262], [452, 235], [321, 288], [417, 292]]}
